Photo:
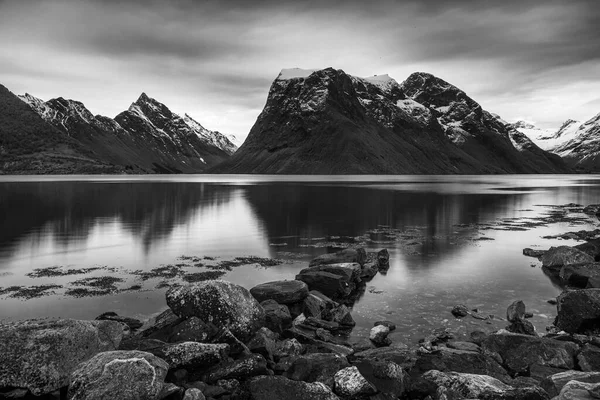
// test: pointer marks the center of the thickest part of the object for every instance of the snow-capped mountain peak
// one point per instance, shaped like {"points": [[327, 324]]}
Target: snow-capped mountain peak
{"points": [[293, 73]]}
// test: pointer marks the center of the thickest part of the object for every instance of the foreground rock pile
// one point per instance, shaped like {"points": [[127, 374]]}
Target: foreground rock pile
{"points": [[288, 340]]}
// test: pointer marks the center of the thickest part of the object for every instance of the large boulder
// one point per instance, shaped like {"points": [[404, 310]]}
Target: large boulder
{"points": [[557, 257], [519, 352], [40, 355], [344, 256], [279, 387], [386, 376], [579, 311], [221, 303], [349, 382], [330, 284], [317, 367], [554, 383], [581, 275], [277, 316], [194, 354], [283, 292], [454, 385], [122, 375], [575, 390], [589, 358]]}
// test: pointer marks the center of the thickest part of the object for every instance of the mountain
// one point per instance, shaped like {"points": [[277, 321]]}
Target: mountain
{"points": [[147, 138], [329, 122], [582, 149], [30, 145], [548, 139]]}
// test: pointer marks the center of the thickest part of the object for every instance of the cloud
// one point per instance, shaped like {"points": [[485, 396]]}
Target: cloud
{"points": [[216, 59]]}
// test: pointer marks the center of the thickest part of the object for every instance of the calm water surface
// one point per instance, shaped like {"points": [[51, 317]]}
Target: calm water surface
{"points": [[451, 239]]}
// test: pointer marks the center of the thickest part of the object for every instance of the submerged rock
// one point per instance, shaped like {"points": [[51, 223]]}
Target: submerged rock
{"points": [[119, 375], [350, 382], [279, 387], [344, 256], [221, 303], [283, 292], [40, 355], [579, 311]]}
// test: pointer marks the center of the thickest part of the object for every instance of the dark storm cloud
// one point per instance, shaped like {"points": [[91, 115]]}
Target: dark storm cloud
{"points": [[220, 57]]}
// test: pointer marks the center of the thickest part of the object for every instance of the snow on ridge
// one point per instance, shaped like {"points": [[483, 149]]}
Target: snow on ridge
{"points": [[293, 73]]}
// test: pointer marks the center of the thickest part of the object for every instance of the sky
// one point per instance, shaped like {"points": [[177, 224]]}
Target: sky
{"points": [[537, 60]]}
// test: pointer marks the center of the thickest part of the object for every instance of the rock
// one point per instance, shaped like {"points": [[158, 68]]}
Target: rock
{"points": [[283, 292], [252, 365], [229, 385], [528, 315], [460, 311], [368, 271], [119, 375], [221, 303], [471, 386], [319, 323], [591, 247], [350, 382], [40, 355], [379, 335], [288, 348], [516, 311], [389, 324], [277, 316], [386, 376], [579, 311], [236, 346], [575, 390], [153, 346], [193, 394], [194, 354], [170, 390], [557, 257], [212, 391], [308, 337], [589, 358], [554, 383], [522, 326], [164, 320], [324, 335], [580, 275], [383, 259], [402, 356], [132, 323], [279, 387], [340, 315], [344, 256], [478, 337], [520, 352], [330, 284], [592, 209], [263, 342], [465, 346], [317, 367], [533, 253], [469, 362]]}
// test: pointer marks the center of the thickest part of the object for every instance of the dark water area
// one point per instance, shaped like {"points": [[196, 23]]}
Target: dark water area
{"points": [[451, 239]]}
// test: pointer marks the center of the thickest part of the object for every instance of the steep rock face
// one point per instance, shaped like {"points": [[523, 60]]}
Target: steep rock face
{"points": [[582, 151], [146, 138], [328, 122]]}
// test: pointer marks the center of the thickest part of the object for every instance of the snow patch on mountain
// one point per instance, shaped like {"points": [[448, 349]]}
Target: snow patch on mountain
{"points": [[548, 139]]}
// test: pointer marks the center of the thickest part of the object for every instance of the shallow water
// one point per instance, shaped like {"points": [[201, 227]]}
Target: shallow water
{"points": [[452, 239]]}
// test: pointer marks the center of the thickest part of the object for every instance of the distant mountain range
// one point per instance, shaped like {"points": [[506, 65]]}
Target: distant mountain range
{"points": [[329, 122], [314, 122], [63, 136], [577, 143]]}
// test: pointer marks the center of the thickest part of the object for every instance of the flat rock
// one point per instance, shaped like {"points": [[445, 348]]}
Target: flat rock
{"points": [[279, 387], [344, 256], [221, 303], [579, 311], [40, 355], [466, 346], [554, 383], [349, 382], [283, 292], [533, 253], [386, 376], [575, 390], [402, 356], [245, 367], [119, 375], [330, 284]]}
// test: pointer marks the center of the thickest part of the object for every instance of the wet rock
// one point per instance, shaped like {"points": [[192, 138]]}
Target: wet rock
{"points": [[340, 315], [194, 354], [533, 253], [579, 311], [386, 376], [160, 327], [221, 303], [389, 324], [554, 383], [379, 335], [460, 311], [557, 257], [350, 382], [277, 316], [368, 271], [119, 375], [279, 387], [283, 292], [246, 367], [344, 256], [132, 323], [193, 394], [229, 385], [520, 352], [589, 358], [515, 311], [453, 385], [317, 367], [332, 285], [522, 326], [41, 354], [575, 390], [383, 259], [581, 275]]}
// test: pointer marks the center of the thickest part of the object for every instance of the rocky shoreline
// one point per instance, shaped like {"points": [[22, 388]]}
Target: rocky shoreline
{"points": [[290, 339]]}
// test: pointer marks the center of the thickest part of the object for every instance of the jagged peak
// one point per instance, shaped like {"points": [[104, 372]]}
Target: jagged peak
{"points": [[295, 73], [521, 124]]}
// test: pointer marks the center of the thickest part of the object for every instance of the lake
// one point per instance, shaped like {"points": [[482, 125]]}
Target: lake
{"points": [[452, 239]]}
